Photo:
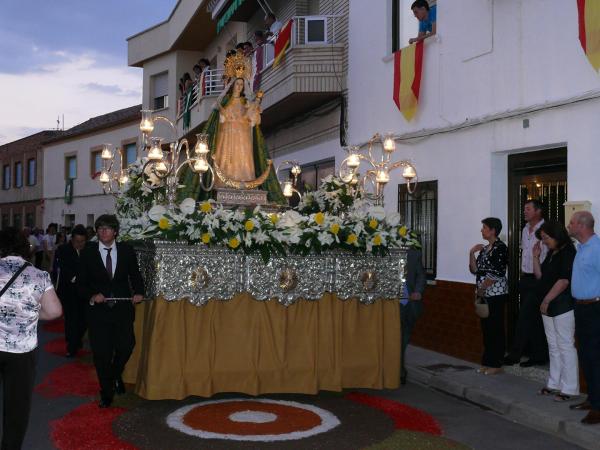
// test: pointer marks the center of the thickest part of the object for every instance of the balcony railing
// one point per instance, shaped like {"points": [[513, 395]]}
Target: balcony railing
{"points": [[307, 31], [209, 84]]}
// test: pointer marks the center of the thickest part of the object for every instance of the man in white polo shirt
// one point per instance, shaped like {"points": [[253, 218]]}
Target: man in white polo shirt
{"points": [[529, 332]]}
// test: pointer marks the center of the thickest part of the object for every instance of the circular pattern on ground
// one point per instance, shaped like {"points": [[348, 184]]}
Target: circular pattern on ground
{"points": [[145, 425], [253, 420]]}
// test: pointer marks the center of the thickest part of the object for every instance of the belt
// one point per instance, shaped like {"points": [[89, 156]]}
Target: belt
{"points": [[587, 301], [527, 275]]}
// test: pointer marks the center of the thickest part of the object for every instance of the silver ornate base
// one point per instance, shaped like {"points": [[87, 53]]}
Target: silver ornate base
{"points": [[239, 197], [177, 270]]}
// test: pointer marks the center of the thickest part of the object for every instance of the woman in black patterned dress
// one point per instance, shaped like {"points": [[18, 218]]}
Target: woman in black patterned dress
{"points": [[490, 270]]}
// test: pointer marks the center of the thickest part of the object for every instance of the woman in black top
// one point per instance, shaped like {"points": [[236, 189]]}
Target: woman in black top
{"points": [[490, 269], [554, 293]]}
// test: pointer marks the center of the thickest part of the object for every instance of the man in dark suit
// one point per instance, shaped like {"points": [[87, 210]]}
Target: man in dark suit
{"points": [[411, 308], [73, 304], [108, 269]]}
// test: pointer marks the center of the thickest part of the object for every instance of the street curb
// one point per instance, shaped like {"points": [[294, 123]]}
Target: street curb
{"points": [[488, 393]]}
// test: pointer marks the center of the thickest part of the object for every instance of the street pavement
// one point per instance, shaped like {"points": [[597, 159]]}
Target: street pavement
{"points": [[487, 413], [513, 397]]}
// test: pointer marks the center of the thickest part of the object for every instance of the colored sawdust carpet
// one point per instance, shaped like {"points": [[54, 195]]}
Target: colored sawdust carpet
{"points": [[351, 421], [88, 428], [325, 421], [58, 347], [405, 417], [55, 326], [77, 379]]}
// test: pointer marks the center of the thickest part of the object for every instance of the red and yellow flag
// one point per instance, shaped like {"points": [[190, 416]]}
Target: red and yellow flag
{"points": [[408, 64], [589, 30], [283, 41]]}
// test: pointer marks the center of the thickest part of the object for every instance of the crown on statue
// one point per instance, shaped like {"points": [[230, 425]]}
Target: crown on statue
{"points": [[238, 66]]}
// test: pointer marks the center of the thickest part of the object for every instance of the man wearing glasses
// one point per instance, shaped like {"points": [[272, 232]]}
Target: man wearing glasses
{"points": [[107, 271]]}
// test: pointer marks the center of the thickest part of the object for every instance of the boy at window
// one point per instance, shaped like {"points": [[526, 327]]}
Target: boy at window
{"points": [[426, 15]]}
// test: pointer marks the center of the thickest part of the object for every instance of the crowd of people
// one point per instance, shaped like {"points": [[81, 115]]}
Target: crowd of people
{"points": [[96, 284], [559, 292], [253, 50]]}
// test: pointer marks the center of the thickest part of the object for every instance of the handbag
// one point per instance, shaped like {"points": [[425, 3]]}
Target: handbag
{"points": [[14, 277], [482, 309]]}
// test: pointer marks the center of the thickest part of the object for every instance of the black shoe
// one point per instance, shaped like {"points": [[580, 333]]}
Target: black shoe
{"points": [[510, 360], [119, 386], [105, 402], [583, 406], [533, 362]]}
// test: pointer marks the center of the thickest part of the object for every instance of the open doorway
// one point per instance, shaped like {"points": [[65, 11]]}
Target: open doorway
{"points": [[540, 175]]}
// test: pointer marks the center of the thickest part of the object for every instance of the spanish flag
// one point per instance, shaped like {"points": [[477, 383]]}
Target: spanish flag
{"points": [[283, 41], [408, 63], [589, 30]]}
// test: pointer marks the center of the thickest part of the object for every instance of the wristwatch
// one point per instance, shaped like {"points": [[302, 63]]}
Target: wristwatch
{"points": [[92, 302]]}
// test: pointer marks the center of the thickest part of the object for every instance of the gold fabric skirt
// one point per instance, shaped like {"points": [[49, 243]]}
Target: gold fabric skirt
{"points": [[253, 347]]}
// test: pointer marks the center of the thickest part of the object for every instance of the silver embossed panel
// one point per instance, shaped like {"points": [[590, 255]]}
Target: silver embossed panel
{"points": [[176, 270], [290, 278], [369, 277]]}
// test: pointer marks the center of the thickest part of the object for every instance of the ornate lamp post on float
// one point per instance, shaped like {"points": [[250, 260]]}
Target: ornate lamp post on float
{"points": [[111, 178], [288, 187], [379, 172], [162, 168]]}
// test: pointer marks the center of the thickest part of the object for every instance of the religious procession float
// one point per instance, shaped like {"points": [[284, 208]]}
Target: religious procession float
{"points": [[248, 294]]}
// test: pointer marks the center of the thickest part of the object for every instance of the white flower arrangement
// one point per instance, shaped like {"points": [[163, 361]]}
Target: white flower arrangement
{"points": [[341, 223]]}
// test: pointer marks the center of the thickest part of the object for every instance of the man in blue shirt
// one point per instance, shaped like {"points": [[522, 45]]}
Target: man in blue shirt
{"points": [[426, 15], [585, 288]]}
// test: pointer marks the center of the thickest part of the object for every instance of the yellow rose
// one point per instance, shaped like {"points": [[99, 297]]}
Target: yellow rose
{"points": [[164, 224], [249, 225], [402, 231], [373, 223], [205, 207], [274, 218], [319, 218], [234, 243], [206, 238], [377, 240], [352, 238], [335, 228]]}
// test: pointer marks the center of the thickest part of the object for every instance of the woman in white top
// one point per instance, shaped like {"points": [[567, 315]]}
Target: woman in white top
{"points": [[29, 297]]}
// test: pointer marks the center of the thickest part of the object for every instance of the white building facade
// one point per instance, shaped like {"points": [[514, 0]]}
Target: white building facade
{"points": [[507, 112], [73, 160]]}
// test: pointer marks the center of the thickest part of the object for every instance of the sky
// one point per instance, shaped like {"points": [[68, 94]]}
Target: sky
{"points": [[68, 57]]}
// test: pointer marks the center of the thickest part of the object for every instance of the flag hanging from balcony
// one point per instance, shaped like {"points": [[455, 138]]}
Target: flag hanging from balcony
{"points": [[589, 30], [408, 63], [283, 41]]}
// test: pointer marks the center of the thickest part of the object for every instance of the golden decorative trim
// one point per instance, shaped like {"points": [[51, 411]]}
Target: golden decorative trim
{"points": [[199, 278], [368, 280], [249, 184], [288, 279], [238, 66]]}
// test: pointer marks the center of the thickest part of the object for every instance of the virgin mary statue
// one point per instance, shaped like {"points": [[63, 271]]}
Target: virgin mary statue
{"points": [[239, 155]]}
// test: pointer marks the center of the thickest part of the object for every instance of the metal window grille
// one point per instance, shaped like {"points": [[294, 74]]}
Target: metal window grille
{"points": [[419, 212], [553, 194]]}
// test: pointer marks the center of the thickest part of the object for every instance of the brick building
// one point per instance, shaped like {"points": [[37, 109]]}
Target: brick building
{"points": [[21, 199]]}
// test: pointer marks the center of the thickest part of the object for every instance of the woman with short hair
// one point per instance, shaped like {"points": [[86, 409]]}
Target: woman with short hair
{"points": [[26, 295], [557, 308], [490, 270]]}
